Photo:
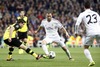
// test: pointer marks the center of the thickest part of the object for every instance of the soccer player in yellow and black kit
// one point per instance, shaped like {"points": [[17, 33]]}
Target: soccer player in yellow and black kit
{"points": [[22, 33], [11, 40]]}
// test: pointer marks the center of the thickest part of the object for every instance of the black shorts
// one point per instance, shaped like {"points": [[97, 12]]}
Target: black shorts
{"points": [[15, 42], [22, 35]]}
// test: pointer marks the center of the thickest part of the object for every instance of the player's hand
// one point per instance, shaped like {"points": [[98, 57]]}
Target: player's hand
{"points": [[67, 36], [10, 39], [29, 32]]}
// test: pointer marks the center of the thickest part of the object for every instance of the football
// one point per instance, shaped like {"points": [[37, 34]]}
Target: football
{"points": [[52, 54]]}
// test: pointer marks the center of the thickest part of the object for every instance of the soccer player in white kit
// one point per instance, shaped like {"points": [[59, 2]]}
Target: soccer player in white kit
{"points": [[91, 21], [51, 27]]}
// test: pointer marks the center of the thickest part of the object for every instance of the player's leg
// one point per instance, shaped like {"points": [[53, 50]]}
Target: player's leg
{"points": [[24, 41], [88, 41], [44, 47], [9, 57], [63, 46], [67, 52], [88, 55], [23, 37], [11, 49], [20, 51], [29, 51], [20, 37], [44, 43], [19, 44]]}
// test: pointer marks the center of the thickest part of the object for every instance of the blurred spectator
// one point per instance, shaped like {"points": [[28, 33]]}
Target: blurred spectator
{"points": [[65, 11], [0, 15], [1, 34]]}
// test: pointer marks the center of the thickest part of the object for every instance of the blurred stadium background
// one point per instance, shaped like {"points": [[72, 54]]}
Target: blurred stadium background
{"points": [[66, 11]]}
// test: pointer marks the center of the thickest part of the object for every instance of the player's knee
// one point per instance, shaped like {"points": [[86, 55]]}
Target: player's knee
{"points": [[25, 39], [11, 49], [43, 42]]}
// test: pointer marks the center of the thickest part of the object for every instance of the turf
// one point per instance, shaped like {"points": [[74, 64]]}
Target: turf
{"points": [[61, 60]]}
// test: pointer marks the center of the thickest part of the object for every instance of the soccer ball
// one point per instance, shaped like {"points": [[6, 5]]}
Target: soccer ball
{"points": [[52, 54]]}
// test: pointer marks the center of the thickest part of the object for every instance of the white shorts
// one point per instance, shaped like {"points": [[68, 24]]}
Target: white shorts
{"points": [[88, 40], [55, 39]]}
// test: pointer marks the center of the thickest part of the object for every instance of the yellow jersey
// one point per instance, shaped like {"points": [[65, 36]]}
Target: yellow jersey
{"points": [[7, 31], [25, 27]]}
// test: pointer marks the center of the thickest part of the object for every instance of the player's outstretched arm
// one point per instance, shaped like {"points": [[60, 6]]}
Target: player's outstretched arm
{"points": [[40, 27], [64, 30]]}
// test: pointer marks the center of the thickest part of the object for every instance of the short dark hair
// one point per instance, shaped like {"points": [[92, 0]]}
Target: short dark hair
{"points": [[87, 4], [49, 11]]}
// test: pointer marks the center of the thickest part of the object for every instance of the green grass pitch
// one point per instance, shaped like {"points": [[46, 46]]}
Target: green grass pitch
{"points": [[61, 60]]}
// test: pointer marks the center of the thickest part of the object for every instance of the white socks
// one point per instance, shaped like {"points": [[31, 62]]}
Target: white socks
{"points": [[88, 55], [45, 49], [68, 53]]}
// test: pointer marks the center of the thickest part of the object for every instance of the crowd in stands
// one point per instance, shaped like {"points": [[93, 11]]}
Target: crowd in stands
{"points": [[66, 11]]}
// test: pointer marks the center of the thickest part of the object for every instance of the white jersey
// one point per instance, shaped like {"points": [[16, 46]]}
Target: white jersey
{"points": [[91, 20], [51, 27]]}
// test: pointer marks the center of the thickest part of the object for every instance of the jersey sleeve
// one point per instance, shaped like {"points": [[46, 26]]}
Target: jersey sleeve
{"points": [[16, 26], [79, 19], [42, 23], [59, 25]]}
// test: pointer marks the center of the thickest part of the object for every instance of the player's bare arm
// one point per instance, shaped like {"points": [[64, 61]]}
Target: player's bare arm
{"points": [[40, 27], [64, 30], [11, 29]]}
